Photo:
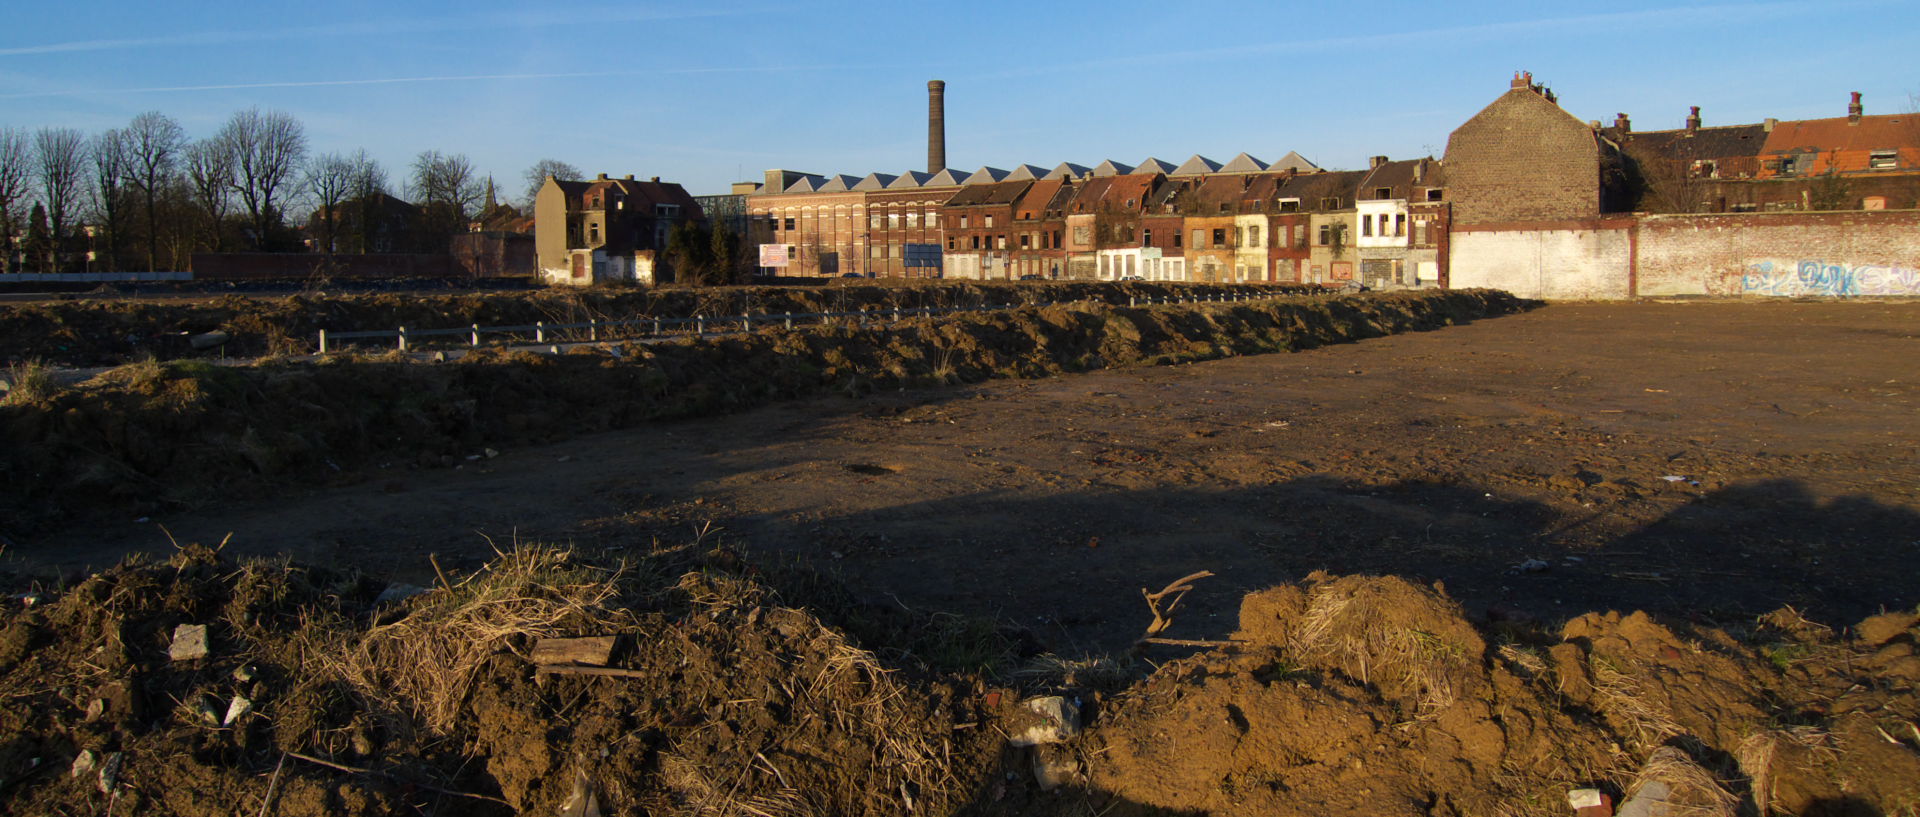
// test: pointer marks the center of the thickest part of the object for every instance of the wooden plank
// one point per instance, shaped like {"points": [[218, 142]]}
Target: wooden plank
{"points": [[592, 651]]}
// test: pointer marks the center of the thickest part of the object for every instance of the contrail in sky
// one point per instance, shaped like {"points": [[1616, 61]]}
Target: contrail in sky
{"points": [[1666, 16], [362, 29], [327, 83]]}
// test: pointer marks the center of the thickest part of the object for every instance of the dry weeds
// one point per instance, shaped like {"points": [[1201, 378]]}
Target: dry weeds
{"points": [[426, 661]]}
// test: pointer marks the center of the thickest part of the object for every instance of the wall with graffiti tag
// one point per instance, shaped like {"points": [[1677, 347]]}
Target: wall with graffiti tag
{"points": [[1850, 254]]}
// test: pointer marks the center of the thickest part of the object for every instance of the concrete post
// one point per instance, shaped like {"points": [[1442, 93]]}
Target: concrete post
{"points": [[403, 338], [323, 341], [476, 334], [539, 331]]}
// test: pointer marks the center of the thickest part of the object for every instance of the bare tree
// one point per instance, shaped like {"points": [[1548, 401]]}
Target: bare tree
{"points": [[446, 188], [16, 155], [536, 176], [61, 162], [154, 142], [329, 180], [367, 187], [210, 179], [112, 166], [268, 147]]}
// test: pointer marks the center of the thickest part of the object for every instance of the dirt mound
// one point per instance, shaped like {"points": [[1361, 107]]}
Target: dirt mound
{"points": [[105, 333], [327, 693], [150, 436], [1365, 695]]}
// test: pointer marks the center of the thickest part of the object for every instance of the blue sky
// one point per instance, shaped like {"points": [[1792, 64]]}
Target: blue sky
{"points": [[711, 92]]}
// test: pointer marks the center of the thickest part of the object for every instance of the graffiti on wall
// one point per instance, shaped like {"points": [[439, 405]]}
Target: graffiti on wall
{"points": [[1816, 278]]}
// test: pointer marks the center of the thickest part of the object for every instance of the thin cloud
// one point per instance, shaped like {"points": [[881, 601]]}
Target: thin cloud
{"points": [[367, 29], [1671, 16], [329, 83]]}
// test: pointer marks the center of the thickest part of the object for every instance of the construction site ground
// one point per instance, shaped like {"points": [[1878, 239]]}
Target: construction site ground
{"points": [[1707, 461]]}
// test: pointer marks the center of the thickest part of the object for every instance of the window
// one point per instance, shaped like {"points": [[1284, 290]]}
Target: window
{"points": [[1434, 194], [1176, 239], [913, 220], [1239, 237], [1106, 268], [1026, 241], [1399, 224], [1330, 203], [1383, 192], [1130, 202], [666, 210], [963, 221], [1253, 236], [950, 242], [989, 221], [1366, 228], [1289, 205], [1219, 237], [1420, 231], [893, 250], [593, 234], [1223, 207], [1787, 166], [1146, 237], [1199, 239], [999, 242], [1129, 236], [1883, 160], [976, 241], [789, 222], [1326, 235], [893, 221], [874, 221], [875, 250]]}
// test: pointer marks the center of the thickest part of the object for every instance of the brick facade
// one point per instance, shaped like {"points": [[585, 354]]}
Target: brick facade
{"points": [[1523, 158]]}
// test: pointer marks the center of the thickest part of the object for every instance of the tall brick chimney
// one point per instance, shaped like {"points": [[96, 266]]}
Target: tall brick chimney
{"points": [[1622, 124], [1854, 110], [1693, 120], [936, 126], [1376, 161]]}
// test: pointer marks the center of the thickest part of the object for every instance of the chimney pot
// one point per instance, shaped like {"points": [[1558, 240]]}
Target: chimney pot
{"points": [[1693, 119], [1622, 124], [1853, 108], [655, 180], [600, 177], [628, 177]]}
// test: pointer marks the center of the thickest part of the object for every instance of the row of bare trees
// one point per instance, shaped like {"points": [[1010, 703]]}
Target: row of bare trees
{"points": [[147, 196]]}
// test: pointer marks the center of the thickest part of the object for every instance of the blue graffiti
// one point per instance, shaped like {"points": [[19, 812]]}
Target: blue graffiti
{"points": [[1820, 278]]}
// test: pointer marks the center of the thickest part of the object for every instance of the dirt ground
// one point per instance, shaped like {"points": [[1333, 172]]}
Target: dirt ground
{"points": [[1701, 460]]}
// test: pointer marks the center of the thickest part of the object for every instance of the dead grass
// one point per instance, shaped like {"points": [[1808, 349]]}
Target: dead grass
{"points": [[1620, 697], [1101, 672], [1692, 790], [426, 661], [1759, 757], [28, 381], [1375, 634]]}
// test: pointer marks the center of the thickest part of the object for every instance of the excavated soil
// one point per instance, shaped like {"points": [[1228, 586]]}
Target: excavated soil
{"points": [[734, 691], [102, 332], [151, 437], [1488, 501]]}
